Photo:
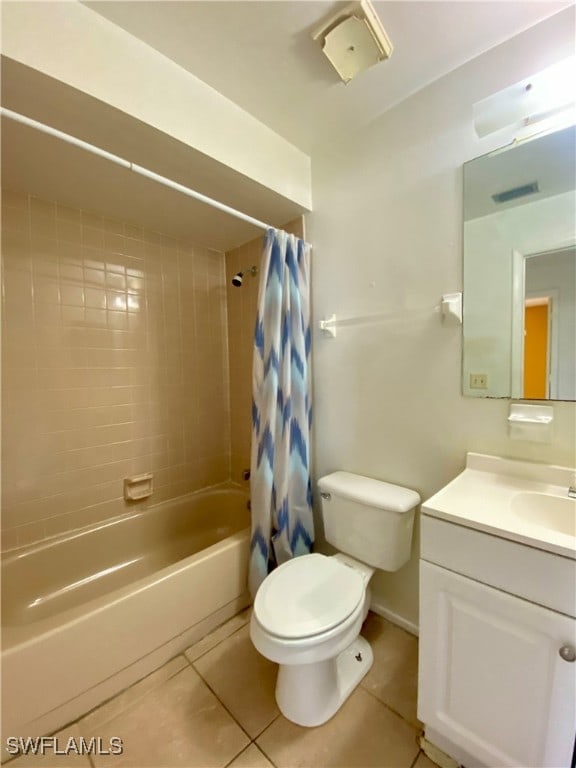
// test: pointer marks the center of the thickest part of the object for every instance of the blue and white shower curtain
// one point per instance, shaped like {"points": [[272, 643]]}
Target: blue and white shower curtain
{"points": [[281, 491]]}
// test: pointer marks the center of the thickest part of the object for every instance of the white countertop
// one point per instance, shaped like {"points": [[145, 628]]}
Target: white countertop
{"points": [[481, 497]]}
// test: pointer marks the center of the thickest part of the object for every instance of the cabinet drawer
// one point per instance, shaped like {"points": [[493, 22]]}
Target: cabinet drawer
{"points": [[533, 574]]}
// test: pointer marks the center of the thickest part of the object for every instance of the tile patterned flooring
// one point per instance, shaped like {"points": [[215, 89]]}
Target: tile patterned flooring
{"points": [[214, 707]]}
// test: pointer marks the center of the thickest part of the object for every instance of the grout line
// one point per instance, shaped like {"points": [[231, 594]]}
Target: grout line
{"points": [[420, 751], [266, 755], [227, 637], [417, 728], [133, 685], [413, 763], [192, 664], [268, 726], [221, 702], [257, 747], [418, 745], [241, 753]]}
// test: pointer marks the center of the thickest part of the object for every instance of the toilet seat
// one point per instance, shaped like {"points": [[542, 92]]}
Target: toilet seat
{"points": [[308, 596]]}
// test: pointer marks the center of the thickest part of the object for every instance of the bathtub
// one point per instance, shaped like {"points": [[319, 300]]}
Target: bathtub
{"points": [[89, 613]]}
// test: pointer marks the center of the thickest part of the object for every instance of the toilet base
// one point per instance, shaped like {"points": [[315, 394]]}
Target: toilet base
{"points": [[310, 694]]}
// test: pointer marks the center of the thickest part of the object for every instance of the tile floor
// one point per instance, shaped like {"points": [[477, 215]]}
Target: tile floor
{"points": [[214, 706]]}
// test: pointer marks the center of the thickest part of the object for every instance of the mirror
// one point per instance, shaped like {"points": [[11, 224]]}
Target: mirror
{"points": [[519, 335]]}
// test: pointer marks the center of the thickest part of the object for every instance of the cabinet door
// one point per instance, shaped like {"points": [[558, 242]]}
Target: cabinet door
{"points": [[491, 679]]}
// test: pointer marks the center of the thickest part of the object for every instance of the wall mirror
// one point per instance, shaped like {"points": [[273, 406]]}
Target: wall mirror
{"points": [[519, 335]]}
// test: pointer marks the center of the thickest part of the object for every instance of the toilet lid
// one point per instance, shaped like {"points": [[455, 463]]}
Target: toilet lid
{"points": [[308, 595]]}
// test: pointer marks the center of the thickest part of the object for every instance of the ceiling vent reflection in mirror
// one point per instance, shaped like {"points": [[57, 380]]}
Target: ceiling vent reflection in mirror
{"points": [[354, 39], [548, 99], [516, 192]]}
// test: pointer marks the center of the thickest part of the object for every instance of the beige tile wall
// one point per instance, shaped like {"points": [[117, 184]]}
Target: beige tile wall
{"points": [[241, 317], [114, 363]]}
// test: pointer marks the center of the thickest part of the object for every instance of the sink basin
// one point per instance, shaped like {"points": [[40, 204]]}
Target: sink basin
{"points": [[517, 500], [557, 513]]}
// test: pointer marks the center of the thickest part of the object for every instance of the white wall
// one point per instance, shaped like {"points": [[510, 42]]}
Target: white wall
{"points": [[387, 240]]}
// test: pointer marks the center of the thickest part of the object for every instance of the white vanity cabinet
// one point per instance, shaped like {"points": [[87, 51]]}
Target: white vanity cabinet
{"points": [[497, 666], [491, 677]]}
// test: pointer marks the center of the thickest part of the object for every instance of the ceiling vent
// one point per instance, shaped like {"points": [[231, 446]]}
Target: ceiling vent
{"points": [[516, 192], [354, 39]]}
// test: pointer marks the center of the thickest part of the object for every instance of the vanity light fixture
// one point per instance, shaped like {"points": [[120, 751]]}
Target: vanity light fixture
{"points": [[547, 98], [354, 39]]}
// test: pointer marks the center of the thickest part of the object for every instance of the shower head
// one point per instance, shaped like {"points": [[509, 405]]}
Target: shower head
{"points": [[238, 277]]}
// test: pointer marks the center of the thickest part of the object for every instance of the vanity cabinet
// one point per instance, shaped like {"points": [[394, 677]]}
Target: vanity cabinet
{"points": [[494, 689], [491, 676]]}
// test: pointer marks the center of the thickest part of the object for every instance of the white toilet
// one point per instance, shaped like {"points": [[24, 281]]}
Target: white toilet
{"points": [[308, 612]]}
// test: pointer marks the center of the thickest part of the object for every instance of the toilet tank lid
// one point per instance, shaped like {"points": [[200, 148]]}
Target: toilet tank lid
{"points": [[367, 490]]}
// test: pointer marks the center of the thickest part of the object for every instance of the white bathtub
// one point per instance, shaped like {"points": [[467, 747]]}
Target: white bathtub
{"points": [[92, 612]]}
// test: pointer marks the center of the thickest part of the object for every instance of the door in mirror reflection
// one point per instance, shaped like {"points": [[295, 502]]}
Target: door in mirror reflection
{"points": [[544, 325], [536, 351]]}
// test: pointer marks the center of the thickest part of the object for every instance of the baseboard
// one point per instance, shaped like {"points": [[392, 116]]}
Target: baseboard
{"points": [[437, 755], [378, 607], [444, 752]]}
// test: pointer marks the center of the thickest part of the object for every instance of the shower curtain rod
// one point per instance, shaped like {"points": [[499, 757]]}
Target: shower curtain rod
{"points": [[131, 166]]}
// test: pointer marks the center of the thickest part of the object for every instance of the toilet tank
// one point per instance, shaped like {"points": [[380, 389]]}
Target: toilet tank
{"points": [[368, 519]]}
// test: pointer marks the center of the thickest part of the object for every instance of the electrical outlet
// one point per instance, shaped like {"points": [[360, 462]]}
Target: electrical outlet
{"points": [[478, 381]]}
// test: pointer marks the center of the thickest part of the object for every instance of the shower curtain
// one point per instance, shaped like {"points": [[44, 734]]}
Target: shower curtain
{"points": [[281, 491]]}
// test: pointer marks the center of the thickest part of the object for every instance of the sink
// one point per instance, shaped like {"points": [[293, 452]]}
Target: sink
{"points": [[557, 513], [517, 500]]}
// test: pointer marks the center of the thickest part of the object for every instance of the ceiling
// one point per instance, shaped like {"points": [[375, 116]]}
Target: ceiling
{"points": [[260, 54]]}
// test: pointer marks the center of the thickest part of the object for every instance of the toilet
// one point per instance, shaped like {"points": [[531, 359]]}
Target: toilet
{"points": [[309, 611]]}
